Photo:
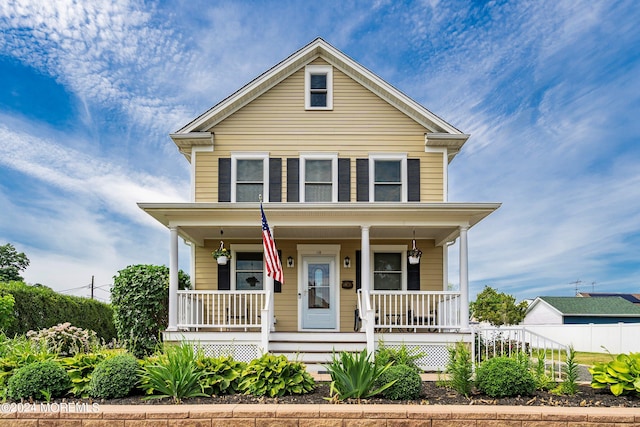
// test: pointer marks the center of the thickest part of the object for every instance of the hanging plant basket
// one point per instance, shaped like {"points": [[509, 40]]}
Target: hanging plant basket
{"points": [[414, 254], [222, 254]]}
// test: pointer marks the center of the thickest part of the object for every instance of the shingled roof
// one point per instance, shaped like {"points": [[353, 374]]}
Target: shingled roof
{"points": [[594, 306]]}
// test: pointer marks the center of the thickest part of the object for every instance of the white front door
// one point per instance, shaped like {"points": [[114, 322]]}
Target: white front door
{"points": [[318, 296]]}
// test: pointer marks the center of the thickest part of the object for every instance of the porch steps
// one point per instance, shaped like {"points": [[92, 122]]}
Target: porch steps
{"points": [[315, 349]]}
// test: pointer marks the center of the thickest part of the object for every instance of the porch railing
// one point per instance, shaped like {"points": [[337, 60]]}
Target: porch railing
{"points": [[415, 310], [221, 309], [491, 341]]}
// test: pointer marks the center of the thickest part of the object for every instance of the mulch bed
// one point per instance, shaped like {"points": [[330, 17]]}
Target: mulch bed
{"points": [[431, 395]]}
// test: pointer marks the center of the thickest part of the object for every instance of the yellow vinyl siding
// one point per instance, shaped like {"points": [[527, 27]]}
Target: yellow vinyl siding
{"points": [[360, 123]]}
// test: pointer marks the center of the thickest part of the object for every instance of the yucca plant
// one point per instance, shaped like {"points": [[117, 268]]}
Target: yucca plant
{"points": [[173, 374], [354, 376]]}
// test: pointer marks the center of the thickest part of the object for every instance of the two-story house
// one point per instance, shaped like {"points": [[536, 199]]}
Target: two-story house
{"points": [[352, 174]]}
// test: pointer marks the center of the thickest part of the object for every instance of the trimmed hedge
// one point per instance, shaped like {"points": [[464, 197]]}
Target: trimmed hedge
{"points": [[39, 307]]}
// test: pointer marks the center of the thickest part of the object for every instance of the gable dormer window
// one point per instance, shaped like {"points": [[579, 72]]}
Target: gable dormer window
{"points": [[318, 82], [388, 175], [250, 177]]}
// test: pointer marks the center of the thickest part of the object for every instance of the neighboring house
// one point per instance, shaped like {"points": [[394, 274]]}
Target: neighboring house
{"points": [[580, 311], [351, 171]]}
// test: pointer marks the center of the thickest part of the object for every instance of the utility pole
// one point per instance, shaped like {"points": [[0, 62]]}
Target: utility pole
{"points": [[92, 282]]}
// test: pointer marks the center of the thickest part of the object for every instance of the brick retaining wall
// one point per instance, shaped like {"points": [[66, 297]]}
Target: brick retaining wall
{"points": [[321, 416]]}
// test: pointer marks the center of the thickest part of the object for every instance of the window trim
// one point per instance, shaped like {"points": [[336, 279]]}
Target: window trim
{"points": [[265, 173], [235, 248], [402, 250], [403, 174], [314, 70], [334, 174]]}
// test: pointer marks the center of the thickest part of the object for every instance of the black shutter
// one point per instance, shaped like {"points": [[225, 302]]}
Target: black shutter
{"points": [[293, 174], [413, 178], [362, 180], [224, 180], [275, 180], [344, 180], [224, 277], [358, 270], [277, 286], [413, 276]]}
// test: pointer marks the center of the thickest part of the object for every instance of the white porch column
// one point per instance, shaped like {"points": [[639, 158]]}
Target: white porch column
{"points": [[365, 261], [464, 280], [173, 280]]}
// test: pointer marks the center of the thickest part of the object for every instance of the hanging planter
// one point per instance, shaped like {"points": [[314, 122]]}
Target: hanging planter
{"points": [[222, 254], [414, 254]]}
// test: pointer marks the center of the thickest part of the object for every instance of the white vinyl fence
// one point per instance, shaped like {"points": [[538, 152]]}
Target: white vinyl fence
{"points": [[615, 338]]}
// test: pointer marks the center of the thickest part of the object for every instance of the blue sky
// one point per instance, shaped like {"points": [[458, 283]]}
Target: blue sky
{"points": [[549, 91]]}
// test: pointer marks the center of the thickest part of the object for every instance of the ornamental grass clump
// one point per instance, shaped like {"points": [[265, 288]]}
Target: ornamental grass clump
{"points": [[65, 339], [172, 374], [355, 376]]}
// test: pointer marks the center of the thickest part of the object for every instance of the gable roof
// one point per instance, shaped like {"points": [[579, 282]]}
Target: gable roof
{"points": [[596, 307], [440, 133]]}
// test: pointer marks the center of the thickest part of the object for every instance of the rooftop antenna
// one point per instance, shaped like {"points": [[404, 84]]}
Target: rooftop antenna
{"points": [[576, 283]]}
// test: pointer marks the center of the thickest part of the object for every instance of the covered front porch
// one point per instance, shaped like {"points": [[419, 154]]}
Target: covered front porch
{"points": [[335, 291]]}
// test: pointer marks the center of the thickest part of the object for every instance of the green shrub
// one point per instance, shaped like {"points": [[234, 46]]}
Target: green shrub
{"points": [[140, 298], [405, 381], [222, 375], [504, 377], [273, 376], [621, 375], [39, 380], [39, 307], [114, 377], [355, 376], [459, 369], [7, 316], [17, 353], [172, 374], [401, 356], [569, 383], [65, 339]]}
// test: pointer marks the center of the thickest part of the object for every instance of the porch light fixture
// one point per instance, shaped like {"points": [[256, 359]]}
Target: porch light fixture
{"points": [[290, 262], [347, 262]]}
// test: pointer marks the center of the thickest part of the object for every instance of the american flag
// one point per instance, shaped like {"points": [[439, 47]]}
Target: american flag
{"points": [[272, 260]]}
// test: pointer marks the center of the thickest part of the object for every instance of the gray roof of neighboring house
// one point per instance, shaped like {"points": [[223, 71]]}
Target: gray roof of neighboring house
{"points": [[594, 306], [634, 298]]}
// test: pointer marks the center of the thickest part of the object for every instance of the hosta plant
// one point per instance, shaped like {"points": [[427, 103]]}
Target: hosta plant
{"points": [[222, 374], [272, 376], [621, 375], [80, 367]]}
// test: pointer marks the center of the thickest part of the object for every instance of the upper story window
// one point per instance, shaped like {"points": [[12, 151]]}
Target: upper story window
{"points": [[388, 176], [250, 177], [318, 86], [318, 178]]}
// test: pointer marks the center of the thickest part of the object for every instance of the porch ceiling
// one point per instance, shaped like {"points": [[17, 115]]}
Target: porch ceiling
{"points": [[197, 222]]}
